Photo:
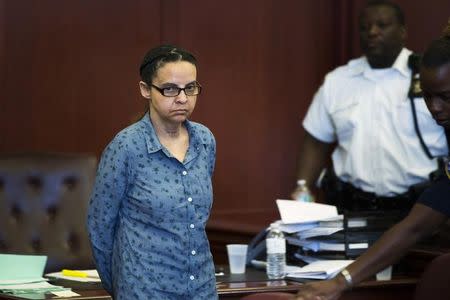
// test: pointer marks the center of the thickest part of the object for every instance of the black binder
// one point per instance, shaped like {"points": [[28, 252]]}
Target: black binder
{"points": [[360, 230]]}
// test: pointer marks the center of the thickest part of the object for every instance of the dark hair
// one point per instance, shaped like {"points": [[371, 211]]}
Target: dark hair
{"points": [[394, 6], [157, 57], [438, 52]]}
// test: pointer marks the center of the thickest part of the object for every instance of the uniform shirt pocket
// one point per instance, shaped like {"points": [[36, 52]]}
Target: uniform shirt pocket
{"points": [[344, 116]]}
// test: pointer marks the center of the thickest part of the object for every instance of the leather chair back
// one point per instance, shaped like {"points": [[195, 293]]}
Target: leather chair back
{"points": [[43, 206], [435, 280]]}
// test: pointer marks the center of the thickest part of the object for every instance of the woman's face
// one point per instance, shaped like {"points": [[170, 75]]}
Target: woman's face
{"points": [[175, 109], [435, 84]]}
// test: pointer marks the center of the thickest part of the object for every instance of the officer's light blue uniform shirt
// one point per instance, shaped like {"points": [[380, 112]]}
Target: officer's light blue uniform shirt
{"points": [[147, 216]]}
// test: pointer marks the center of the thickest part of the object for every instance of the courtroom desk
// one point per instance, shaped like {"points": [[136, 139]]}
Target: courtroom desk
{"points": [[84, 294], [236, 286], [235, 227], [240, 226], [86, 290]]}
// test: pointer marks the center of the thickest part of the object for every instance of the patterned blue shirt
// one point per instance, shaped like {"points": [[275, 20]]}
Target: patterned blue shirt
{"points": [[147, 216]]}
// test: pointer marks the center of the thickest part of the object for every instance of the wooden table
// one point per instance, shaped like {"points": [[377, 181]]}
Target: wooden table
{"points": [[235, 286]]}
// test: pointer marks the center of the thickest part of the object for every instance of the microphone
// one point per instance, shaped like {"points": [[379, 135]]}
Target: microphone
{"points": [[415, 91], [414, 62]]}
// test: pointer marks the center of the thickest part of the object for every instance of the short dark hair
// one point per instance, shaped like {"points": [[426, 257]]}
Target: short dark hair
{"points": [[438, 52], [157, 57], [394, 6]]}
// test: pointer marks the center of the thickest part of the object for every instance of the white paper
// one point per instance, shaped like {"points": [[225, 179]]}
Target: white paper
{"points": [[339, 222], [324, 246], [23, 286], [385, 274], [302, 212], [318, 231], [20, 281], [322, 269], [306, 258], [65, 293], [38, 287], [92, 273], [291, 228]]}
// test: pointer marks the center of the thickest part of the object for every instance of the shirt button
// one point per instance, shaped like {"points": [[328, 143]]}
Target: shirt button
{"points": [[191, 277], [193, 252], [192, 226], [184, 173], [190, 199]]}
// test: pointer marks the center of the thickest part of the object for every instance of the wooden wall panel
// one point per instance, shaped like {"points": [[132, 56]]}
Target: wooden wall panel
{"points": [[260, 63], [69, 73], [425, 20], [2, 62], [71, 79]]}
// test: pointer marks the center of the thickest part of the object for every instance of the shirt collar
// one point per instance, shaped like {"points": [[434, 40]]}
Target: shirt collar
{"points": [[361, 66], [401, 63], [152, 140]]}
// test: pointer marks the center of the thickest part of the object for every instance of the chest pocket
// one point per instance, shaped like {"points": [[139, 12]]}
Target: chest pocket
{"points": [[344, 116]]}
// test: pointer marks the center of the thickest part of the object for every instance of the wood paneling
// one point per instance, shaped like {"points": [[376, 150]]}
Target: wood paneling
{"points": [[69, 74], [71, 71], [425, 21]]}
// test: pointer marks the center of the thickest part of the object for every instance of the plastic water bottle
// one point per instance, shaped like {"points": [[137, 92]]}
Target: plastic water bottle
{"points": [[304, 194], [276, 252]]}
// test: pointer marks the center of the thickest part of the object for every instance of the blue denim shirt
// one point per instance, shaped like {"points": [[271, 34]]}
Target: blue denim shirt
{"points": [[147, 216]]}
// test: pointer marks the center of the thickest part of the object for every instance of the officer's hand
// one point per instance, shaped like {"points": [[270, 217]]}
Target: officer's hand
{"points": [[321, 290]]}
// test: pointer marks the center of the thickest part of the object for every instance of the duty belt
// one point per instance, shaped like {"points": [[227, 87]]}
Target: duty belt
{"points": [[355, 199]]}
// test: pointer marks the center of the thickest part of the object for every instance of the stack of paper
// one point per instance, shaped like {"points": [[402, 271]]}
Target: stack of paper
{"points": [[304, 220], [317, 230], [23, 274], [30, 287], [324, 269], [296, 212], [318, 245]]}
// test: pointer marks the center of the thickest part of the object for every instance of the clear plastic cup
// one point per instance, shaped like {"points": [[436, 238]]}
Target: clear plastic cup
{"points": [[237, 257]]}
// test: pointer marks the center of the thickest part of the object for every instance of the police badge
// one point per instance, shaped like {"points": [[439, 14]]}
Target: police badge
{"points": [[447, 166]]}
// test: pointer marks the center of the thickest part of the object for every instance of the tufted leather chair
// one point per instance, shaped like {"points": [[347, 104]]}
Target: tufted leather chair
{"points": [[43, 205]]}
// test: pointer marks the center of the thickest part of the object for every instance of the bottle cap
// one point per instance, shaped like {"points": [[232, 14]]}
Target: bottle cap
{"points": [[301, 182], [275, 225]]}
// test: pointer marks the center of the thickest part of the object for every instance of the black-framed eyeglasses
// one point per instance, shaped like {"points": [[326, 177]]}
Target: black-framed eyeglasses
{"points": [[173, 91]]}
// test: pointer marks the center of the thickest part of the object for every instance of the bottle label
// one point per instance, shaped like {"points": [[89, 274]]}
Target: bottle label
{"points": [[275, 245], [305, 197]]}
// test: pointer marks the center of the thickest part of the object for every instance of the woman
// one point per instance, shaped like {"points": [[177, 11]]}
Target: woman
{"points": [[153, 192], [433, 207]]}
